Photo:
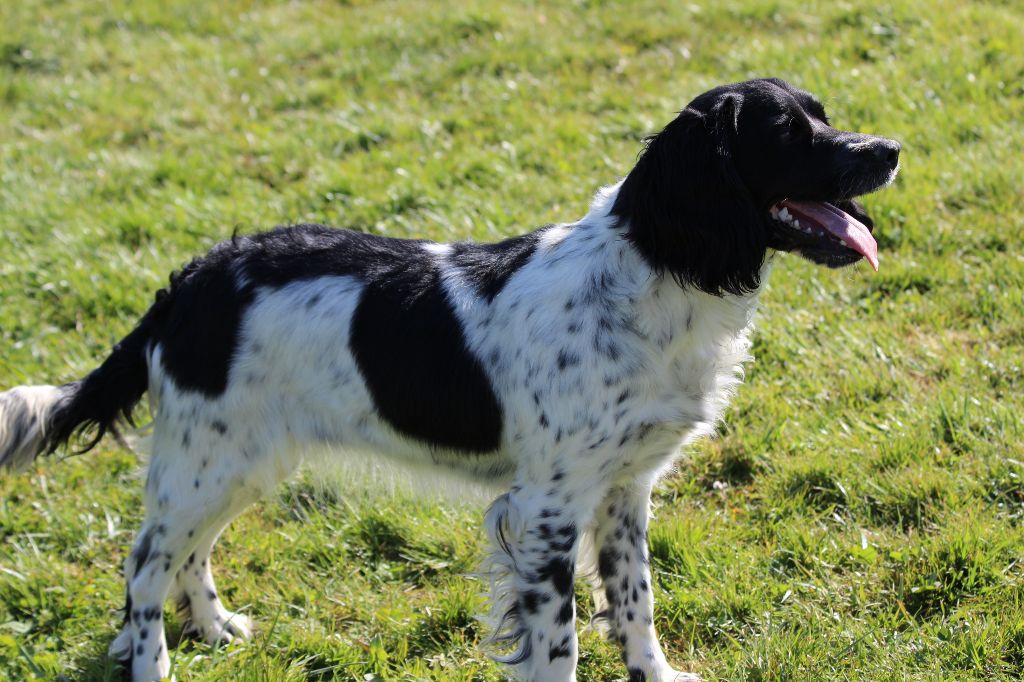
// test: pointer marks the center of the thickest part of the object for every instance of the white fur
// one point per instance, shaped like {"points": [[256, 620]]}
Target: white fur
{"points": [[603, 368], [24, 413]]}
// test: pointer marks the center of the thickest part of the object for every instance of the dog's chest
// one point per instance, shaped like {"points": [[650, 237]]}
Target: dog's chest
{"points": [[697, 346]]}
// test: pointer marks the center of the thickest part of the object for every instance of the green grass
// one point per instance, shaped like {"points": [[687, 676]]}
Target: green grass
{"points": [[859, 517]]}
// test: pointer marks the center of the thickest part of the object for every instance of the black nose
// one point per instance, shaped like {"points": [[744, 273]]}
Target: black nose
{"points": [[888, 152]]}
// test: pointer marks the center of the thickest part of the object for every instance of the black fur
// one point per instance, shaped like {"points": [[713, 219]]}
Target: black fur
{"points": [[696, 203], [489, 266], [407, 342], [111, 391], [689, 214], [410, 348]]}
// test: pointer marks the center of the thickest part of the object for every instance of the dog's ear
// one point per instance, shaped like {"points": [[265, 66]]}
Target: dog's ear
{"points": [[687, 210]]}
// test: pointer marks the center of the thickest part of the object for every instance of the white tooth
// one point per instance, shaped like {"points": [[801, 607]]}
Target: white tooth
{"points": [[784, 213], [796, 222], [843, 242]]}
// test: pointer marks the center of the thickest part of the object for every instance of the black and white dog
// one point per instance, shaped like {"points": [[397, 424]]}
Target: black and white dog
{"points": [[566, 366]]}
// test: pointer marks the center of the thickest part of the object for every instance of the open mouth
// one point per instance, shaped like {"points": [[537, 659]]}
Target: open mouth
{"points": [[826, 227]]}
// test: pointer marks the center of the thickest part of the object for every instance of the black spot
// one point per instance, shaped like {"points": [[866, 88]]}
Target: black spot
{"points": [[151, 613], [532, 600], [196, 484], [637, 675], [543, 420], [219, 426], [629, 616], [142, 550], [566, 612], [567, 358], [313, 300], [559, 475], [622, 397], [211, 595], [636, 597], [186, 438], [559, 570], [488, 267], [139, 650], [143, 633], [560, 651], [606, 559]]}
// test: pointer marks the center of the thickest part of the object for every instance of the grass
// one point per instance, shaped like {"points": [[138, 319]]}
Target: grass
{"points": [[859, 517]]}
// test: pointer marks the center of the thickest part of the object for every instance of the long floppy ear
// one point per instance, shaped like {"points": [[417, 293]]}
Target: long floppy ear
{"points": [[687, 210]]}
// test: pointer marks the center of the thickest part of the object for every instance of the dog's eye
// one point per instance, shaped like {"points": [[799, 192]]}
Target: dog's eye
{"points": [[796, 128]]}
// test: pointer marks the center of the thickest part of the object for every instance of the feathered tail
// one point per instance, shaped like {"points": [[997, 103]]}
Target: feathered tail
{"points": [[36, 420]]}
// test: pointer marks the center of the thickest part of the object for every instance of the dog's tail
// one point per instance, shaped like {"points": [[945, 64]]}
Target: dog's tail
{"points": [[36, 420]]}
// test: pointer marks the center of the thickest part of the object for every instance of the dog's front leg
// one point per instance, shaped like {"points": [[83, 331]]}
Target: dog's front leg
{"points": [[624, 596], [535, 530]]}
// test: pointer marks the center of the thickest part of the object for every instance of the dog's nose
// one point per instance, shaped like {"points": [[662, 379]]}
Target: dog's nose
{"points": [[888, 151]]}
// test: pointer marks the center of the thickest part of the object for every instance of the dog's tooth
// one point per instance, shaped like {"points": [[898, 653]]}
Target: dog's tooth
{"points": [[843, 242], [784, 213]]}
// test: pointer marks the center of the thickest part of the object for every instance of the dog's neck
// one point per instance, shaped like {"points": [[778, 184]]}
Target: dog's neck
{"points": [[733, 312]]}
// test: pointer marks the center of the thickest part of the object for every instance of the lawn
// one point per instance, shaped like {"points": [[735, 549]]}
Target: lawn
{"points": [[860, 515]]}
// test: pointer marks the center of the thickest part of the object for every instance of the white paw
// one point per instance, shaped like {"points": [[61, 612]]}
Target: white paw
{"points": [[669, 675], [223, 628], [121, 648], [152, 668]]}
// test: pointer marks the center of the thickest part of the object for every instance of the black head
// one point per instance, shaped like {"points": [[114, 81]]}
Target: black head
{"points": [[746, 168]]}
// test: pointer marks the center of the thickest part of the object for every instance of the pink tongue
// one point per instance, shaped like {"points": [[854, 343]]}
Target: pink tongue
{"points": [[838, 223]]}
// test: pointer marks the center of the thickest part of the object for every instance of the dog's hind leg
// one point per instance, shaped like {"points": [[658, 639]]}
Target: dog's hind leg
{"points": [[623, 594], [200, 477], [198, 600], [536, 531]]}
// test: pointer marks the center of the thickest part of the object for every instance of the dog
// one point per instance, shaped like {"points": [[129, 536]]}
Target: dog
{"points": [[565, 367]]}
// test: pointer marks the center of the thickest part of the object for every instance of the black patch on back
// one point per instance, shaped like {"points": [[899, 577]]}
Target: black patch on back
{"points": [[411, 351], [200, 334], [406, 339], [488, 267]]}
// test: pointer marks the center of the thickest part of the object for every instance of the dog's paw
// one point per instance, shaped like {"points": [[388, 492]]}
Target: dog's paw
{"points": [[661, 675], [223, 628], [121, 648]]}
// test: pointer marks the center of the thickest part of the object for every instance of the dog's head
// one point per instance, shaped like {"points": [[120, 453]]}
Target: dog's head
{"points": [[746, 168]]}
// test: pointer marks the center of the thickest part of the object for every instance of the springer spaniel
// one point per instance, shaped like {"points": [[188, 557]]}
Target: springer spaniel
{"points": [[565, 367]]}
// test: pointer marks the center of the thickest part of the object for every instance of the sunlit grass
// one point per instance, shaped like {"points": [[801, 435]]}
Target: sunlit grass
{"points": [[859, 516]]}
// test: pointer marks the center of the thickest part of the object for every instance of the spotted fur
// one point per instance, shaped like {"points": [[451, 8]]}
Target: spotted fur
{"points": [[565, 367]]}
